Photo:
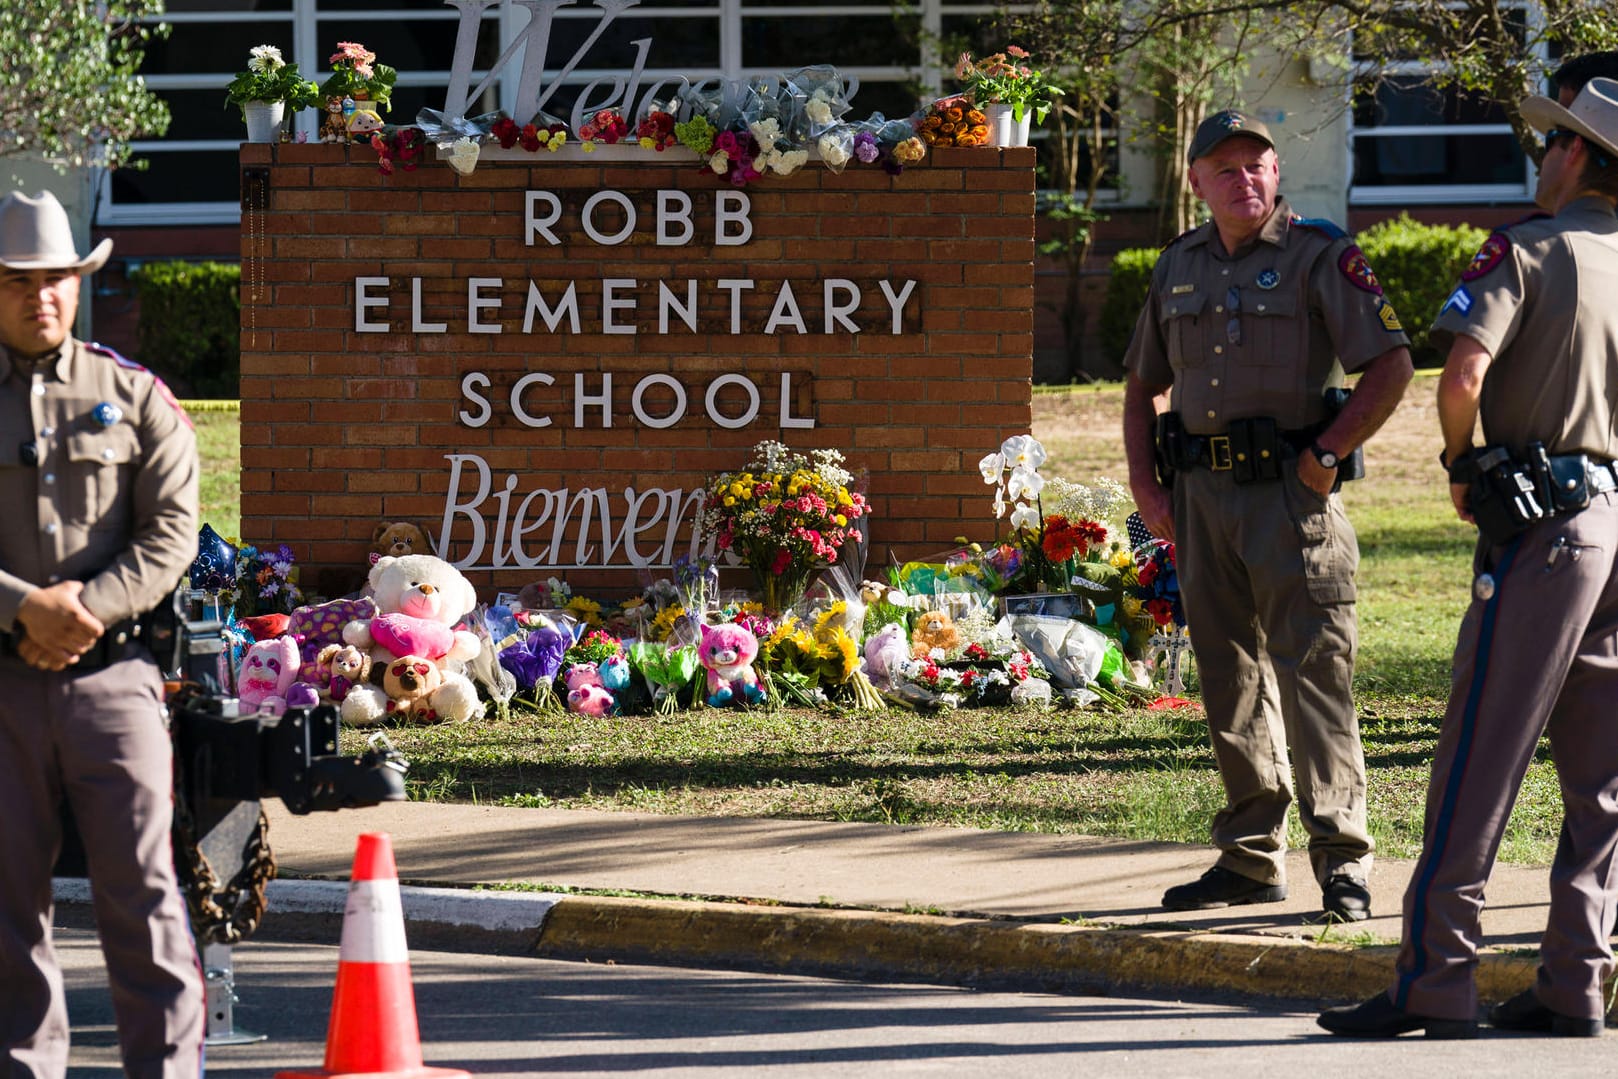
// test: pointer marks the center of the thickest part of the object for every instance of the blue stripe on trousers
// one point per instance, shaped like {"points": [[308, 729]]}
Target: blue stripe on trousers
{"points": [[1452, 789]]}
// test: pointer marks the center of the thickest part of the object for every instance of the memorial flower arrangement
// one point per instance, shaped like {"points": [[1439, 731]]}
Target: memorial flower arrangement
{"points": [[269, 78], [786, 516], [1001, 79], [357, 75]]}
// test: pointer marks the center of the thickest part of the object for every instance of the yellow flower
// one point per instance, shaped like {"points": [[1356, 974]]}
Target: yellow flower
{"points": [[735, 488], [589, 147], [841, 520], [646, 143], [729, 500], [663, 623], [1132, 607], [585, 610], [829, 619]]}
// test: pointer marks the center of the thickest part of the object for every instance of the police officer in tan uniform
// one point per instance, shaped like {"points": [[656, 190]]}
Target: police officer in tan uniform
{"points": [[98, 480], [1533, 328], [1250, 319]]}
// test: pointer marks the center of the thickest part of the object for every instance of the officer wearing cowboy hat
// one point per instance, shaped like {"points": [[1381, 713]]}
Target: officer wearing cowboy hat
{"points": [[98, 477], [1250, 318], [1533, 333]]}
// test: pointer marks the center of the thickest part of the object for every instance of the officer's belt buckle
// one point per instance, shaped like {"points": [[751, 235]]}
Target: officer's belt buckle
{"points": [[1219, 459]]}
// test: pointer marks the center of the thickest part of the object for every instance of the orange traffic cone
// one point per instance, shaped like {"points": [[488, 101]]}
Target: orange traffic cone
{"points": [[373, 1010]]}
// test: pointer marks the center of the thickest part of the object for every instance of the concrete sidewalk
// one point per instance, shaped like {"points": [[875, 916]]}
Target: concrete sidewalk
{"points": [[948, 905]]}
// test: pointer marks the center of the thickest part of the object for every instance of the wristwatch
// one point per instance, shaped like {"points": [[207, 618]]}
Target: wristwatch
{"points": [[1326, 457]]}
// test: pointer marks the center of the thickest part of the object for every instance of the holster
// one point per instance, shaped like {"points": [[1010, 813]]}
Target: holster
{"points": [[1503, 495]]}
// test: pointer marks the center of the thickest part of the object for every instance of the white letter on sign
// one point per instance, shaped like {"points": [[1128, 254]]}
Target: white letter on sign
{"points": [[731, 207], [452, 506], [363, 301], [588, 217], [542, 226], [674, 208]]}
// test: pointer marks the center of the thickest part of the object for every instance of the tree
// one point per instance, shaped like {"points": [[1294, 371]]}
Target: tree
{"points": [[69, 87]]}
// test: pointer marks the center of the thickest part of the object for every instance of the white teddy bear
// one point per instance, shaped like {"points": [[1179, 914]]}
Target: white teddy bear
{"points": [[419, 599]]}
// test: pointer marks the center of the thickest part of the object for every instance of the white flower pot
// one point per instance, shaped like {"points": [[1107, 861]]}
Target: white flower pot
{"points": [[1000, 124], [263, 120]]}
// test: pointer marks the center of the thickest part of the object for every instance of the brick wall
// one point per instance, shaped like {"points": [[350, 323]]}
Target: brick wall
{"points": [[341, 428]]}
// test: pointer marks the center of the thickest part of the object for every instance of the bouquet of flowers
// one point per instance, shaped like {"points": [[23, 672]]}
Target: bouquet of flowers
{"points": [[1001, 79], [270, 78], [266, 581], [953, 121], [785, 516], [667, 669], [606, 126], [531, 137], [1158, 583], [656, 132], [820, 95]]}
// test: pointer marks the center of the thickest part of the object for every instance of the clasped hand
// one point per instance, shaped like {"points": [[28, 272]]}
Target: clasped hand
{"points": [[54, 628]]}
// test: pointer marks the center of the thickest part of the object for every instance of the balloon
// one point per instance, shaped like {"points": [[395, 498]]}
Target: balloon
{"points": [[215, 566]]}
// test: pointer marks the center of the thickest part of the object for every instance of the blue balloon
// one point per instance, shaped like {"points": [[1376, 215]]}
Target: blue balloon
{"points": [[214, 569]]}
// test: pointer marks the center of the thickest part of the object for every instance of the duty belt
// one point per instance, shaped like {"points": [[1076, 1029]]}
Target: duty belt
{"points": [[1602, 476], [1251, 448]]}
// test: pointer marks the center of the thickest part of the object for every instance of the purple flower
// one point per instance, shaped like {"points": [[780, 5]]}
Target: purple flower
{"points": [[865, 147], [536, 659]]}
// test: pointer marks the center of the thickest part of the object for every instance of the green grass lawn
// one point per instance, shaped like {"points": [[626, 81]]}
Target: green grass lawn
{"points": [[1139, 775]]}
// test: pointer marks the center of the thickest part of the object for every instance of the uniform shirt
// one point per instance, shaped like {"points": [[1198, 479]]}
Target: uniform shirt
{"points": [[1307, 307], [111, 499], [1542, 298]]}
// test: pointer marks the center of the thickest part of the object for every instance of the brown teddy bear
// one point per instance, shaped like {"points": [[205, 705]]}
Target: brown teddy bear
{"points": [[934, 629], [410, 682], [399, 538]]}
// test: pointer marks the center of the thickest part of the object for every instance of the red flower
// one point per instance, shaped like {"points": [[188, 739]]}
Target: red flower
{"points": [[530, 138], [783, 559], [506, 130]]}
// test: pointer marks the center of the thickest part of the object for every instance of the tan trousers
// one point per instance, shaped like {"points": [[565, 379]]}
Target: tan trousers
{"points": [[1539, 656], [98, 740], [1267, 579]]}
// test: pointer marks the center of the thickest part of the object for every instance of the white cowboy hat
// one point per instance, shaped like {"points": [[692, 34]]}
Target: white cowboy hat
{"points": [[35, 235], [1593, 114]]}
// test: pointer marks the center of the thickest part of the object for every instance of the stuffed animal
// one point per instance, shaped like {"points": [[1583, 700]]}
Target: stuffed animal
{"points": [[320, 625], [362, 121], [934, 629], [344, 667], [587, 694], [419, 598], [728, 651], [614, 673], [334, 127], [268, 671], [410, 683], [591, 700], [884, 652], [264, 627], [399, 538]]}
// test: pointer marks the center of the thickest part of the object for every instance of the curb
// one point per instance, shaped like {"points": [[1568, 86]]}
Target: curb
{"points": [[865, 945]]}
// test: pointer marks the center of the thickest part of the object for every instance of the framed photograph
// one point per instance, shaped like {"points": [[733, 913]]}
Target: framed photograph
{"points": [[1055, 604]]}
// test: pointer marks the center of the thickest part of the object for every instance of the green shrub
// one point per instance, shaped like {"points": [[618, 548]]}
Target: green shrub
{"points": [[190, 325], [1419, 266], [1127, 286]]}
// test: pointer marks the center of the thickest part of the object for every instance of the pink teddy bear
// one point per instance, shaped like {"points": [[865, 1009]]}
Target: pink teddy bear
{"points": [[586, 694], [268, 673], [728, 652]]}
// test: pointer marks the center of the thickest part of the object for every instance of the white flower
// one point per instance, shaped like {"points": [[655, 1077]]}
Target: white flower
{"points": [[1023, 450], [992, 467], [1025, 516], [265, 59], [999, 504], [1024, 483], [833, 151], [818, 108], [785, 164], [463, 156], [767, 132], [719, 162]]}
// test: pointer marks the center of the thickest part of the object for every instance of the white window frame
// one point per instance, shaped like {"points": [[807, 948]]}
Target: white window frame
{"points": [[1435, 194]]}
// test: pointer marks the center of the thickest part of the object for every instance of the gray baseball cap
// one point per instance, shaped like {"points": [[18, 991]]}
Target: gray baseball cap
{"points": [[1227, 124]]}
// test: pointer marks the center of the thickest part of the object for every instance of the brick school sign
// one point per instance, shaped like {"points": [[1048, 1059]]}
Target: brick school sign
{"points": [[544, 360]]}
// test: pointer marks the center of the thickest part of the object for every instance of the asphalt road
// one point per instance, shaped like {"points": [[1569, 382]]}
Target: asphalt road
{"points": [[515, 1016]]}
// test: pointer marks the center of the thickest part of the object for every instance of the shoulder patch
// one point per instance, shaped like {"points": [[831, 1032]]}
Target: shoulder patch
{"points": [[1490, 255], [1459, 300], [1320, 224], [1357, 268]]}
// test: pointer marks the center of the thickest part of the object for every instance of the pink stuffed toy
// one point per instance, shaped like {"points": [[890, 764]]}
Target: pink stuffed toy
{"points": [[728, 652], [268, 671], [587, 695]]}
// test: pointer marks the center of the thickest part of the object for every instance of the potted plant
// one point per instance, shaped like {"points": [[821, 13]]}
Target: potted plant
{"points": [[357, 75], [1011, 94], [267, 90]]}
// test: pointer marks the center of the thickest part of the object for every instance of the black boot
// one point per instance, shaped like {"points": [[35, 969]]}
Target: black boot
{"points": [[1525, 1012], [1219, 887], [1380, 1017]]}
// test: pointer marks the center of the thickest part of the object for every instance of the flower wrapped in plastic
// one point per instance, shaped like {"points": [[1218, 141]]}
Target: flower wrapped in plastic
{"points": [[535, 660], [821, 94], [714, 101], [900, 145], [1083, 663], [775, 152], [765, 97], [840, 626], [836, 147], [496, 629], [666, 669], [696, 134], [734, 156]]}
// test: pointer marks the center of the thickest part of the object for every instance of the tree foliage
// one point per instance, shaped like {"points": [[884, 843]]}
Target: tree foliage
{"points": [[69, 87]]}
